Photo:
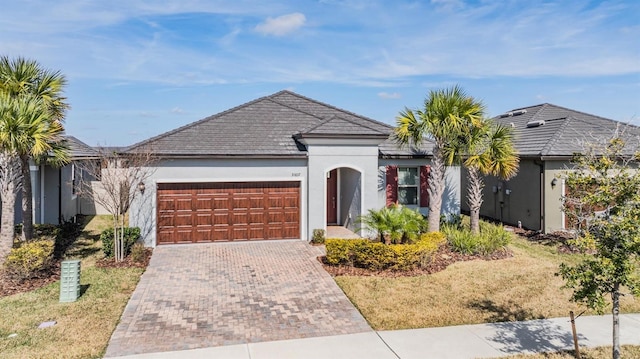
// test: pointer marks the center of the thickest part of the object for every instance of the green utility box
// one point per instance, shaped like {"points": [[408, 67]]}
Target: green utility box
{"points": [[70, 280]]}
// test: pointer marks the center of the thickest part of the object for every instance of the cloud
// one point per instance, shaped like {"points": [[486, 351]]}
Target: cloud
{"points": [[389, 96], [177, 110], [281, 25]]}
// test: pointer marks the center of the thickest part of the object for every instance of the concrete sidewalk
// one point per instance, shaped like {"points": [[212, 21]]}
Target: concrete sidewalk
{"points": [[465, 341]]}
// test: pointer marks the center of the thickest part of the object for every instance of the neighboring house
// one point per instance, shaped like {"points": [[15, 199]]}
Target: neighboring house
{"points": [[54, 189], [546, 138], [276, 168]]}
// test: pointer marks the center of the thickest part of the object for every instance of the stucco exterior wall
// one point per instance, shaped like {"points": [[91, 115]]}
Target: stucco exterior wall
{"points": [[554, 217], [450, 198], [324, 158], [143, 213], [512, 202]]}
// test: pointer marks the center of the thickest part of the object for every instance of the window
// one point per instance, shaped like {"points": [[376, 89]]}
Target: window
{"points": [[408, 185]]}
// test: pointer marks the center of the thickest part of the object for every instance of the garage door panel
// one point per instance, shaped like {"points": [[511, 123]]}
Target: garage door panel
{"points": [[240, 218], [204, 219], [256, 217], [183, 220], [203, 203], [204, 212]]}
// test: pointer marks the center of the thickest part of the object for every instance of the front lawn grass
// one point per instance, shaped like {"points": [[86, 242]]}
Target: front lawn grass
{"points": [[523, 287], [83, 327]]}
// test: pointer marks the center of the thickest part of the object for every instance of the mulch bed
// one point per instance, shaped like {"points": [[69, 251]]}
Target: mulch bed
{"points": [[9, 286], [126, 263], [440, 260]]}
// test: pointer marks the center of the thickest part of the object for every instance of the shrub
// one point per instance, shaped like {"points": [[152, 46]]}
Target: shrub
{"points": [[318, 236], [45, 230], [28, 260], [394, 224], [138, 253], [131, 236], [364, 253], [491, 238]]}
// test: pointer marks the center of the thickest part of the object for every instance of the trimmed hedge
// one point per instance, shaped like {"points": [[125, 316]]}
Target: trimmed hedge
{"points": [[131, 236], [364, 253], [28, 260]]}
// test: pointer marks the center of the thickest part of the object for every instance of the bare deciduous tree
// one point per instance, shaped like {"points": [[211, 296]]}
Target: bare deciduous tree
{"points": [[113, 180]]}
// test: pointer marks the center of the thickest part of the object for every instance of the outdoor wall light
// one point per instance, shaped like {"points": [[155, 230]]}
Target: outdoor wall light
{"points": [[141, 187], [554, 182]]}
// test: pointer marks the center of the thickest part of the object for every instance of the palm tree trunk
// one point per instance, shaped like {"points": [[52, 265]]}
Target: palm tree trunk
{"points": [[474, 197], [436, 189], [615, 310], [9, 184], [8, 222], [27, 198]]}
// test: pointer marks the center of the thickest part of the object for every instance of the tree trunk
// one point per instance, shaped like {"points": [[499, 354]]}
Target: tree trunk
{"points": [[474, 197], [27, 200], [10, 175], [8, 221], [615, 310], [436, 189]]}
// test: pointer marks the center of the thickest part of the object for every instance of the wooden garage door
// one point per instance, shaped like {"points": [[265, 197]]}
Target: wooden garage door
{"points": [[229, 211]]}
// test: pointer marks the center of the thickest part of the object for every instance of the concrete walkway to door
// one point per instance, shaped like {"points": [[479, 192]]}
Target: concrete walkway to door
{"points": [[207, 295]]}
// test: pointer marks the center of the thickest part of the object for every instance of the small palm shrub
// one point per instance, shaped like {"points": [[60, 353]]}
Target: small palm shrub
{"points": [[131, 236], [394, 224], [29, 259]]}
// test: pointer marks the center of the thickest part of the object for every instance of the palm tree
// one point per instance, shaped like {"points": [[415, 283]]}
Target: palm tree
{"points": [[489, 151], [446, 113], [21, 79]]}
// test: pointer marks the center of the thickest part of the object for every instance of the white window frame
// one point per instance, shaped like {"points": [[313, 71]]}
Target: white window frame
{"points": [[417, 185]]}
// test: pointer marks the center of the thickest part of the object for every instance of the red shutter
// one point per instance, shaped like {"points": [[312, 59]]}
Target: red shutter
{"points": [[392, 185], [424, 185]]}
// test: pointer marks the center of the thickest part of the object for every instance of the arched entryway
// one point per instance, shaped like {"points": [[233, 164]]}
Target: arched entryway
{"points": [[344, 197]]}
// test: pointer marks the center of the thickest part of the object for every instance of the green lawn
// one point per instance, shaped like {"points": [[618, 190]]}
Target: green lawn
{"points": [[83, 327], [519, 288]]}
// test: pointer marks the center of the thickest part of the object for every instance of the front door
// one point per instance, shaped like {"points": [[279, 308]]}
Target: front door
{"points": [[332, 197]]}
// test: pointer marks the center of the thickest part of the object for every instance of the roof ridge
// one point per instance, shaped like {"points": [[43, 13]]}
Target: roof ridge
{"points": [[336, 117], [332, 107], [322, 122], [552, 141], [547, 105]]}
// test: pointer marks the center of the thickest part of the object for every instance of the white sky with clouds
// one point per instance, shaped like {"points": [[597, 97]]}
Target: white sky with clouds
{"points": [[137, 68]]}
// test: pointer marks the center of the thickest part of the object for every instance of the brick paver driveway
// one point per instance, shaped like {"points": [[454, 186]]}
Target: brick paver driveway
{"points": [[204, 295]]}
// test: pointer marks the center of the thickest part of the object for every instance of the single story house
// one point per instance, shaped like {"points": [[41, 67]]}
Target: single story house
{"points": [[55, 198], [277, 167], [546, 138]]}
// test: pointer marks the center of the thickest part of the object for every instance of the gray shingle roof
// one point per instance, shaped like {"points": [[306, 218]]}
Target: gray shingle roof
{"points": [[558, 131], [80, 149], [263, 127], [390, 148]]}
